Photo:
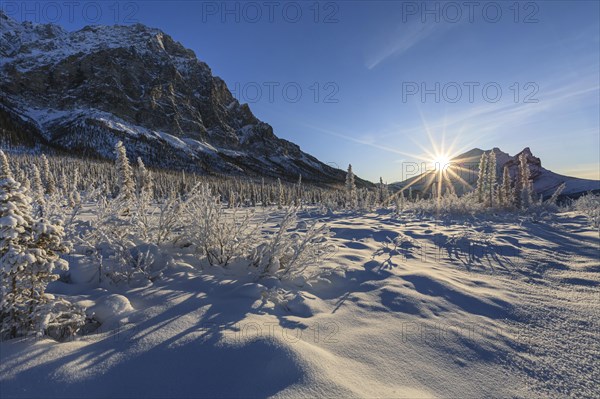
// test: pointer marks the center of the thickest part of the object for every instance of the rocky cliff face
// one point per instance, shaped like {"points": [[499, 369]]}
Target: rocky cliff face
{"points": [[534, 163], [83, 91]]}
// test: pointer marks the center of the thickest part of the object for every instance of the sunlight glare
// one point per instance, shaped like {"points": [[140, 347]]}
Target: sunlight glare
{"points": [[441, 162]]}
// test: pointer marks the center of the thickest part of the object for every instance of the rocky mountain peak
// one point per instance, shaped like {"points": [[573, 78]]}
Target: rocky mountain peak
{"points": [[466, 167], [82, 91]]}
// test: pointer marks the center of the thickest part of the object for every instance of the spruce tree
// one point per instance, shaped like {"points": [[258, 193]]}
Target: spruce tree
{"points": [[280, 195], [298, 196], [124, 173], [382, 191], [481, 178], [526, 192], [491, 177], [506, 190], [5, 172], [263, 193], [145, 184], [29, 253], [15, 238], [351, 195], [48, 177], [37, 189], [74, 196]]}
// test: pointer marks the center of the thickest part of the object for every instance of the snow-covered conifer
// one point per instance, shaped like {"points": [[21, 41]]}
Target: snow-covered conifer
{"points": [[526, 194], [37, 187], [26, 183], [351, 195], [263, 193], [491, 177], [15, 238], [481, 179], [74, 196], [298, 194], [5, 172], [64, 184], [506, 195], [280, 194], [47, 176], [124, 173], [382, 191], [28, 256], [145, 183]]}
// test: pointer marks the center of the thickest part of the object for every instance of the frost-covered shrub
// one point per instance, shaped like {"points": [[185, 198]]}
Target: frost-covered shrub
{"points": [[109, 235], [60, 319], [589, 205], [128, 263], [292, 254], [402, 245], [449, 204], [169, 219], [219, 234], [114, 242]]}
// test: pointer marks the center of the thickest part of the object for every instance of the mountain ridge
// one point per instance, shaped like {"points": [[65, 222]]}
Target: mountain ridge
{"points": [[83, 91], [466, 165]]}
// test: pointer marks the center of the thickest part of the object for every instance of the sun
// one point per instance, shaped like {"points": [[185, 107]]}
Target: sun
{"points": [[441, 162]]}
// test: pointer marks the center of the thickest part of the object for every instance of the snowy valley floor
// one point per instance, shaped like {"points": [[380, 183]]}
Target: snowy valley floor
{"points": [[452, 309]]}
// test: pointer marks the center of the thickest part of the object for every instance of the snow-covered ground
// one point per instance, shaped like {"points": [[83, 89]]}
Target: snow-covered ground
{"points": [[418, 307]]}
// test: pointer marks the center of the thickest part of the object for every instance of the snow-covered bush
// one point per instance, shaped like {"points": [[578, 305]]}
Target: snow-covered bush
{"points": [[471, 245], [109, 234], [292, 254], [169, 219], [449, 204], [219, 234], [402, 245], [589, 205], [59, 318], [129, 263]]}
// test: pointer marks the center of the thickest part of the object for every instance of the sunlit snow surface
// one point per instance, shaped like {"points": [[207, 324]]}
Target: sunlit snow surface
{"points": [[459, 308]]}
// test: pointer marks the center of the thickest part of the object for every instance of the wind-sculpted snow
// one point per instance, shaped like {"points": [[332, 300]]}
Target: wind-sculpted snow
{"points": [[418, 307]]}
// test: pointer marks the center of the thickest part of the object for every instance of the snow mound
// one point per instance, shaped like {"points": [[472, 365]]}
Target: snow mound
{"points": [[110, 308], [81, 270]]}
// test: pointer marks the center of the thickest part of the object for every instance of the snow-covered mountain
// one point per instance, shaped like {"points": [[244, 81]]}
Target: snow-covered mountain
{"points": [[83, 91], [463, 171]]}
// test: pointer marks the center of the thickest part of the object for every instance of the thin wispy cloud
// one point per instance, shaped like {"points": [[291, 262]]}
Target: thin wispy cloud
{"points": [[492, 117], [406, 37]]}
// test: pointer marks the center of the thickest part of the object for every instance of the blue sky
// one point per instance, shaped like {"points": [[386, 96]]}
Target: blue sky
{"points": [[361, 68]]}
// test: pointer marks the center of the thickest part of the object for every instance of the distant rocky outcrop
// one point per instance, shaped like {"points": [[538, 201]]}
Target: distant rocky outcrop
{"points": [[464, 167]]}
